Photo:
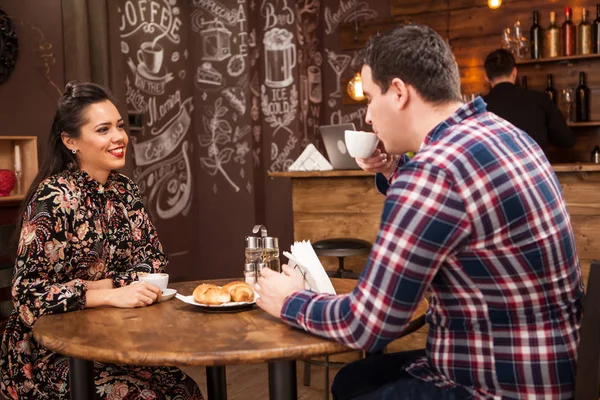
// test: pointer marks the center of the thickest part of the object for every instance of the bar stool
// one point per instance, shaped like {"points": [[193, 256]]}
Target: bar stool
{"points": [[340, 248]]}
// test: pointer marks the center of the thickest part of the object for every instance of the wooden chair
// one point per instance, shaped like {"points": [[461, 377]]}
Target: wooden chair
{"points": [[587, 379]]}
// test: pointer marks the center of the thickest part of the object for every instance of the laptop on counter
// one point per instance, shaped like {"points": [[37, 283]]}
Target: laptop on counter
{"points": [[333, 138]]}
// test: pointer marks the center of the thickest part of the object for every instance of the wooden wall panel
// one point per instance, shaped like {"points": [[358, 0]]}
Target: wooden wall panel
{"points": [[473, 31], [408, 7], [366, 29]]}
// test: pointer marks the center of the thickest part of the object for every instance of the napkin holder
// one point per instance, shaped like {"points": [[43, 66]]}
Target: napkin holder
{"points": [[311, 160], [304, 258]]}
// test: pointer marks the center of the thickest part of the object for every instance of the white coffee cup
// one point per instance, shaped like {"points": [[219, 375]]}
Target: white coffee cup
{"points": [[160, 280], [360, 144]]}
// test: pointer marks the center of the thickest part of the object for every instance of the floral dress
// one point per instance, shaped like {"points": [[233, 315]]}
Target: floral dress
{"points": [[75, 228]]}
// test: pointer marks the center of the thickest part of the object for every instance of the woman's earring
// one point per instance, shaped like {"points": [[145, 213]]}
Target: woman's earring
{"points": [[74, 151]]}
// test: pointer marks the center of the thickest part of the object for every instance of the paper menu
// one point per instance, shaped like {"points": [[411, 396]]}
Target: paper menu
{"points": [[304, 257]]}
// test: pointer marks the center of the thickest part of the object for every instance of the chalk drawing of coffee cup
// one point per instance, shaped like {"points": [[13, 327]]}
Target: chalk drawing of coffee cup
{"points": [[151, 57]]}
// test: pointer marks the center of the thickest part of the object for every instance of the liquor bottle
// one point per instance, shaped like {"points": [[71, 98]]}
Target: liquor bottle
{"points": [[584, 34], [552, 42], [595, 155], [596, 31], [568, 35], [535, 37], [524, 82], [582, 100], [550, 92]]}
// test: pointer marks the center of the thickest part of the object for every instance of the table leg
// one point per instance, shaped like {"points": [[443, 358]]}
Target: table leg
{"points": [[282, 380], [81, 379], [216, 382]]}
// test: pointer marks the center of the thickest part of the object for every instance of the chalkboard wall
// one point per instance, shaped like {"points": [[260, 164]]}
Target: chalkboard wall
{"points": [[222, 91]]}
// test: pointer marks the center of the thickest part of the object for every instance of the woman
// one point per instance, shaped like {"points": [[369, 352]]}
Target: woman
{"points": [[84, 237]]}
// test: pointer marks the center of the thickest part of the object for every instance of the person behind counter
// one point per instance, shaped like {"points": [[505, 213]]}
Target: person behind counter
{"points": [[529, 110], [84, 237], [476, 218]]}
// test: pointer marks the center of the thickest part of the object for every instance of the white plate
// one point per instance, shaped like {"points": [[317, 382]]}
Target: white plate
{"points": [[168, 294], [225, 307]]}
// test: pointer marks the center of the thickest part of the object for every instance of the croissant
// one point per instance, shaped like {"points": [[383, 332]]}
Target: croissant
{"points": [[210, 294], [239, 291]]}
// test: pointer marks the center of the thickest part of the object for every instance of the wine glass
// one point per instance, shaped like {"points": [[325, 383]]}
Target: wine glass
{"points": [[339, 63], [567, 100], [506, 40], [519, 41]]}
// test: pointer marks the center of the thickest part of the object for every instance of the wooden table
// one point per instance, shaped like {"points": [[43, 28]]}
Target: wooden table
{"points": [[174, 333]]}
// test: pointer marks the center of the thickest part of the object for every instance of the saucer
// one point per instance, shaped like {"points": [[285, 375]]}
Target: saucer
{"points": [[168, 294]]}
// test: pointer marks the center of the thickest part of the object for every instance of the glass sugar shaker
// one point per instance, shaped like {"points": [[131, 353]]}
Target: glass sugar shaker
{"points": [[250, 273], [259, 267], [253, 250], [270, 248]]}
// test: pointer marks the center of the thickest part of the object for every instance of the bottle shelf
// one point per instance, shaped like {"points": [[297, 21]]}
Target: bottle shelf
{"points": [[558, 59], [583, 124]]}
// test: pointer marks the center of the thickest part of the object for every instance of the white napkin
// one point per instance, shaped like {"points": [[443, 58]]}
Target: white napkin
{"points": [[304, 257], [311, 160]]}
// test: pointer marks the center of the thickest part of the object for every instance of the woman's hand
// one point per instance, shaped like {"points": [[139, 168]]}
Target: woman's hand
{"points": [[139, 294], [274, 288], [136, 295], [380, 161]]}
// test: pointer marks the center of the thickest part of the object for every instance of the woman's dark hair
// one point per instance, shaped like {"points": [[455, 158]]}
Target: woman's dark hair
{"points": [[499, 63], [416, 54], [68, 119]]}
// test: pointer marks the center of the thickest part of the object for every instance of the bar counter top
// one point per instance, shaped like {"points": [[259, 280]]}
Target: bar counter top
{"points": [[570, 167]]}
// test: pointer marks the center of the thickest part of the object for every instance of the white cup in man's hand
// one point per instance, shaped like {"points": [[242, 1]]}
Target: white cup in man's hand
{"points": [[159, 280], [360, 144]]}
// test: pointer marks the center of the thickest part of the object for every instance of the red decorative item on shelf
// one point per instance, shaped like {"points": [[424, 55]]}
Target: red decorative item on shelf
{"points": [[7, 181]]}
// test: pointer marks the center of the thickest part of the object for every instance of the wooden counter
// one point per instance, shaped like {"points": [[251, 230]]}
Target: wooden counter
{"points": [[581, 189], [328, 204]]}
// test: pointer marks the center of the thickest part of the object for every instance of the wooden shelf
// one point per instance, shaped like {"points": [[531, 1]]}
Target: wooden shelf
{"points": [[558, 59], [11, 199], [583, 124], [576, 167], [29, 164]]}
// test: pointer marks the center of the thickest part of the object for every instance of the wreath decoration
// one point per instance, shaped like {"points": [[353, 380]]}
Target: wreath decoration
{"points": [[9, 46]]}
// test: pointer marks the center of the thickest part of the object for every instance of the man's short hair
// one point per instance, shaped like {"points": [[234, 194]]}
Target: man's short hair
{"points": [[416, 54], [499, 63]]}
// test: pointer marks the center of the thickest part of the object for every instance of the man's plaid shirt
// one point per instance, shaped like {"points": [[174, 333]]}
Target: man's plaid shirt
{"points": [[476, 217]]}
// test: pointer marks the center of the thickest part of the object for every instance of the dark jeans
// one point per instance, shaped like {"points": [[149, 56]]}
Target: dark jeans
{"points": [[383, 377]]}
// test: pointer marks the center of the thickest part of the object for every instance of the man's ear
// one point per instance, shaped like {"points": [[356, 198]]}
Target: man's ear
{"points": [[400, 91], [68, 141]]}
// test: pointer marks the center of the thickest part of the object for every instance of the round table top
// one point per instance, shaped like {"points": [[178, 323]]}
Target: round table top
{"points": [[178, 334]]}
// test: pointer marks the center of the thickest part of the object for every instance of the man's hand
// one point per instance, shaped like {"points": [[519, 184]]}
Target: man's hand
{"points": [[380, 161], [274, 288]]}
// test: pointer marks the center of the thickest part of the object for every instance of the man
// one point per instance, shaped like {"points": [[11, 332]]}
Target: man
{"points": [[528, 110], [477, 218]]}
